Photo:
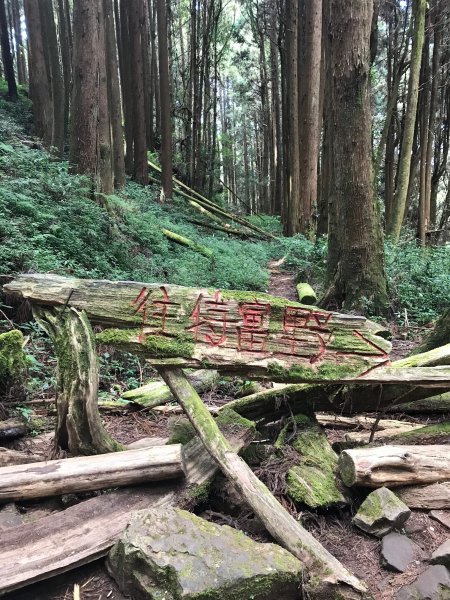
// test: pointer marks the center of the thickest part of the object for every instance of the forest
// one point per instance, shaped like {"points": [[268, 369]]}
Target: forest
{"points": [[224, 299]]}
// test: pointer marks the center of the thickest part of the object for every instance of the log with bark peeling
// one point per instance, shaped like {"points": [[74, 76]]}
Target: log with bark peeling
{"points": [[14, 457], [326, 574], [82, 474], [50, 546], [395, 466]]}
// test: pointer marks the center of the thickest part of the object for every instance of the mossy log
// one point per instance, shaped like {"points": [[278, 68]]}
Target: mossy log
{"points": [[364, 425], [437, 433], [79, 428], [439, 403], [87, 473], [313, 480], [184, 241], [251, 334], [394, 466], [50, 546], [326, 572], [157, 393], [12, 356], [439, 336], [306, 294], [229, 230]]}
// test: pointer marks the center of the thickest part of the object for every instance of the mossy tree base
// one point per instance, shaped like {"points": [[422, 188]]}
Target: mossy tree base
{"points": [[79, 427]]}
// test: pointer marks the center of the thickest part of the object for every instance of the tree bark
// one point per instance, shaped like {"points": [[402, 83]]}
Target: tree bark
{"points": [[66, 58], [8, 63], [105, 167], [355, 251]]}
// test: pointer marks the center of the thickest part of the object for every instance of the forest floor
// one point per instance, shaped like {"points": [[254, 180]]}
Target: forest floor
{"points": [[356, 550]]}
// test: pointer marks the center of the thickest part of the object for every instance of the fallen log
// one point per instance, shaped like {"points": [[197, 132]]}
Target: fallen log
{"points": [[439, 403], [394, 466], [438, 336], [10, 430], [88, 473], [14, 457], [184, 241], [306, 294], [327, 574], [157, 393], [54, 545], [384, 428], [437, 433], [229, 230], [426, 497]]}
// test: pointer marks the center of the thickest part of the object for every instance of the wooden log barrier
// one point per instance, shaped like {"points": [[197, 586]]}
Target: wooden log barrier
{"points": [[82, 474], [394, 466]]}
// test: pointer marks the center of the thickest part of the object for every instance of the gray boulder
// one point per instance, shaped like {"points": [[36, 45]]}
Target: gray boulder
{"points": [[381, 512], [175, 555], [441, 555], [432, 584]]}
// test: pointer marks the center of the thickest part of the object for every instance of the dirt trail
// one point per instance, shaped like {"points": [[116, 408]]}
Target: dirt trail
{"points": [[282, 283]]}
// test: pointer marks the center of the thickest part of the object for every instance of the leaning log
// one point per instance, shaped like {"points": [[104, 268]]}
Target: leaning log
{"points": [[87, 473], [394, 466], [50, 546], [184, 241], [439, 403], [327, 574], [426, 497]]}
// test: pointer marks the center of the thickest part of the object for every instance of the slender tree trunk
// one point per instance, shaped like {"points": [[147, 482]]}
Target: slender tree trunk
{"points": [[140, 170], [356, 252], [166, 125], [114, 96], [106, 179], [404, 168], [66, 58], [20, 56], [126, 81], [7, 58]]}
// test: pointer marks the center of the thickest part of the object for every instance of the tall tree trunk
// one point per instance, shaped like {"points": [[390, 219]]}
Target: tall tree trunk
{"points": [[106, 179], [356, 252], [7, 58], [126, 81], [20, 56], [310, 53], [56, 76], [166, 125], [397, 213], [39, 89], [140, 169], [66, 58], [85, 98], [114, 96]]}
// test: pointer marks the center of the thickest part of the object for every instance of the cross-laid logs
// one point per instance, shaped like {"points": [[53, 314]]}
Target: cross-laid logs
{"points": [[83, 474]]}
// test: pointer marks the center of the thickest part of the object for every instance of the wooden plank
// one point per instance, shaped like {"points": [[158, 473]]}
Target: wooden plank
{"points": [[252, 333], [88, 473], [84, 532]]}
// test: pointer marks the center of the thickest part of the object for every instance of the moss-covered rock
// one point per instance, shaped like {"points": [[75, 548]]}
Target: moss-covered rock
{"points": [[381, 512], [176, 555], [12, 356]]}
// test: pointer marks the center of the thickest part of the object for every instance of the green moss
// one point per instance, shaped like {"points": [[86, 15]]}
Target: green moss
{"points": [[159, 346], [325, 372], [12, 356], [181, 431], [200, 493], [275, 302], [228, 416], [425, 433]]}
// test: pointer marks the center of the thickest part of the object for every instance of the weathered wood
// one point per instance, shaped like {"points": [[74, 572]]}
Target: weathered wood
{"points": [[79, 428], [14, 457], [82, 533], [10, 430], [306, 294], [394, 466], [87, 473], [327, 573], [439, 403], [157, 393], [251, 333], [427, 497], [384, 428]]}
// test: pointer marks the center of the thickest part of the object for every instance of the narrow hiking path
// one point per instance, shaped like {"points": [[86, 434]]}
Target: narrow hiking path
{"points": [[281, 283]]}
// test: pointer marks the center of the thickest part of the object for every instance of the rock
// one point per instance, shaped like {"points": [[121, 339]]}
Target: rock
{"points": [[398, 552], [443, 516], [175, 555], [9, 517], [432, 584], [381, 512], [441, 556]]}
